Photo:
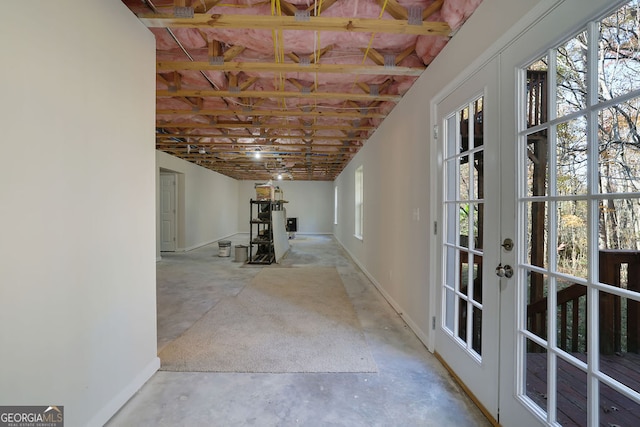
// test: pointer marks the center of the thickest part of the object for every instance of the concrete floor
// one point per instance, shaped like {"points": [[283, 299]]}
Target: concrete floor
{"points": [[411, 388]]}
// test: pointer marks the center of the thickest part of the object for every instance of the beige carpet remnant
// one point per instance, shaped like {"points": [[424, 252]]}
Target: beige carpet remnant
{"points": [[286, 320]]}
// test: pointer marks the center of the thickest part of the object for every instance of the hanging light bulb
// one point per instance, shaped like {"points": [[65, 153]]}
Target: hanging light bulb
{"points": [[257, 153], [279, 177]]}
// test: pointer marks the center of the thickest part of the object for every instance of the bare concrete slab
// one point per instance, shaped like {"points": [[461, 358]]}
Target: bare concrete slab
{"points": [[411, 388]]}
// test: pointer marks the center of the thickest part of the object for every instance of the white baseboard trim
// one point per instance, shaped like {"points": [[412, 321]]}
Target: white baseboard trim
{"points": [[113, 406], [313, 233], [199, 245], [424, 338], [229, 236]]}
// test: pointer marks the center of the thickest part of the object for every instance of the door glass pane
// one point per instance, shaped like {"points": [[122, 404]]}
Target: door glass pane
{"points": [[478, 175], [449, 308], [476, 330], [465, 178], [464, 272], [619, 224], [617, 409], [537, 93], [619, 323], [452, 145], [476, 229], [537, 292], [466, 131], [477, 279], [536, 373], [536, 217], [571, 149], [619, 74], [450, 277], [478, 131], [571, 394], [571, 71], [537, 163], [619, 152], [451, 174], [452, 234], [464, 217], [462, 319], [572, 246], [571, 318]]}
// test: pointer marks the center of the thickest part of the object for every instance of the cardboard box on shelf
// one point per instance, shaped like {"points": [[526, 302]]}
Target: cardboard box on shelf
{"points": [[265, 192]]}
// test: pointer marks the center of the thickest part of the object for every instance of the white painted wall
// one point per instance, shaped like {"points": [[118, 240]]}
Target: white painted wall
{"points": [[77, 267], [207, 203], [397, 251], [309, 201]]}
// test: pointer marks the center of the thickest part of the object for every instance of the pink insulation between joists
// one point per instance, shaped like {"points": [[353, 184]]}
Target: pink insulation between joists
{"points": [[346, 48]]}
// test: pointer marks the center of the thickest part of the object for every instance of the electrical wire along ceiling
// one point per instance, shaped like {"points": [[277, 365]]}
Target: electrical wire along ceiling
{"points": [[256, 89]]}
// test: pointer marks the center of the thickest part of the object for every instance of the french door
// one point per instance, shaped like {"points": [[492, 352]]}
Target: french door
{"points": [[467, 338], [572, 172], [539, 312]]}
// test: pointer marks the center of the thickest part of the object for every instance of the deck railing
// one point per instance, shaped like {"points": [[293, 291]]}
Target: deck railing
{"points": [[619, 320]]}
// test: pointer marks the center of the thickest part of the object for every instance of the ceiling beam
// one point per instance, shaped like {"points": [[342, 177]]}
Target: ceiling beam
{"points": [[263, 126], [161, 136], [266, 150], [273, 113], [253, 145], [315, 23], [369, 70], [278, 94]]}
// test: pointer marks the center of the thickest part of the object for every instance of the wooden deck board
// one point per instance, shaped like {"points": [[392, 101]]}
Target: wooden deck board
{"points": [[615, 408]]}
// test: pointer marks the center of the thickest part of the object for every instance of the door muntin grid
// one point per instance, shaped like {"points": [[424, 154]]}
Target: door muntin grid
{"points": [[463, 222], [579, 218]]}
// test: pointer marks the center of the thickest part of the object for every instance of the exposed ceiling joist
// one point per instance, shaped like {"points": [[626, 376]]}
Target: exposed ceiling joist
{"points": [[370, 70], [277, 94], [163, 137], [273, 113], [315, 23], [306, 82], [249, 125]]}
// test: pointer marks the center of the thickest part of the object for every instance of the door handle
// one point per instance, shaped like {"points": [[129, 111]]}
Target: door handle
{"points": [[504, 271]]}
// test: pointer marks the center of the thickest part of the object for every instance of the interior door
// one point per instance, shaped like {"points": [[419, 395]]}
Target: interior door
{"points": [[467, 337], [167, 212]]}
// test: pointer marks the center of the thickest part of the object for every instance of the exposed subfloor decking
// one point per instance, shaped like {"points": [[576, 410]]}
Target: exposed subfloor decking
{"points": [[411, 388]]}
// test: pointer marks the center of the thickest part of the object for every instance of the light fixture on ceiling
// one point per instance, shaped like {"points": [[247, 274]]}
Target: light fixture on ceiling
{"points": [[202, 150], [279, 177], [257, 153]]}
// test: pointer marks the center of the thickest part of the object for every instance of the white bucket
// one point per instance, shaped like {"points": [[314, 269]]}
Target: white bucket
{"points": [[241, 253], [224, 248]]}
